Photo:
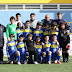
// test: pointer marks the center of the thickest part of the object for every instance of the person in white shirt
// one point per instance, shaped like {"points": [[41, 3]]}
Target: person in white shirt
{"points": [[33, 22], [18, 16]]}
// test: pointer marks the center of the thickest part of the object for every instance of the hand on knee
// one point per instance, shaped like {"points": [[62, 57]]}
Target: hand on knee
{"points": [[18, 53]]}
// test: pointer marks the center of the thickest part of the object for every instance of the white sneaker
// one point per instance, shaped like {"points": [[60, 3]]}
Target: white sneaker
{"points": [[18, 63], [35, 62], [25, 62]]}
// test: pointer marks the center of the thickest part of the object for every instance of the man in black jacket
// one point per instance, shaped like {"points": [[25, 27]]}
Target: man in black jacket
{"points": [[31, 49], [2, 30]]}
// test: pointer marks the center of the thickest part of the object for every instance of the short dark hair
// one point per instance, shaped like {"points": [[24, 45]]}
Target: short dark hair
{"points": [[12, 35], [21, 36], [12, 17], [54, 35], [27, 21], [59, 13], [32, 14], [54, 24], [47, 24], [38, 37], [29, 35], [18, 14], [18, 23], [39, 23]]}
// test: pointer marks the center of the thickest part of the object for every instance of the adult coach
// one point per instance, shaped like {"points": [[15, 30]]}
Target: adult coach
{"points": [[47, 20], [2, 30]]}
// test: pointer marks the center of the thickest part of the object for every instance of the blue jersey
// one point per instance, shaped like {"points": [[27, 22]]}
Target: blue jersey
{"points": [[38, 47], [27, 31], [45, 32], [47, 46], [11, 48], [54, 47], [19, 31], [21, 47], [55, 32], [37, 32]]}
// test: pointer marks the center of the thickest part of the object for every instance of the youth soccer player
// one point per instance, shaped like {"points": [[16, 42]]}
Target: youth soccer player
{"points": [[46, 50], [38, 46], [46, 30], [27, 30], [12, 50], [38, 31], [54, 30], [11, 29], [22, 49], [19, 30], [55, 49]]}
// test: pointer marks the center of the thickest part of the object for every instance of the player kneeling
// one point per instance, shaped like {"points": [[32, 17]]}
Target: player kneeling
{"points": [[12, 50], [46, 50], [22, 49], [55, 49]]}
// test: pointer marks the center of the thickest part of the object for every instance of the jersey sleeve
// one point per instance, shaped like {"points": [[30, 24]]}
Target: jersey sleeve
{"points": [[7, 31]]}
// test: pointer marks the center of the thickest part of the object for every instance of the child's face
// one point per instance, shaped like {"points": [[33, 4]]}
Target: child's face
{"points": [[38, 39], [27, 24], [30, 37], [21, 39], [46, 38], [47, 27], [18, 17], [32, 17], [12, 21], [62, 26], [54, 38], [38, 26], [19, 25], [12, 37], [59, 16]]}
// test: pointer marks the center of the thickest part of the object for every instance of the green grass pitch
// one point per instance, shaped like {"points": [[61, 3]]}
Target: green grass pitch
{"points": [[64, 67]]}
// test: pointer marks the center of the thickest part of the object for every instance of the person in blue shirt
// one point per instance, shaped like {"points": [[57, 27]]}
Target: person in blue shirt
{"points": [[12, 50], [19, 30], [46, 30], [27, 30], [38, 31], [46, 50], [22, 49], [38, 45], [54, 30], [55, 49]]}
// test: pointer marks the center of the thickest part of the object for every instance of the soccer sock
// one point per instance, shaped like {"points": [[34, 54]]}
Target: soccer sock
{"points": [[38, 57], [63, 54], [67, 55], [18, 58], [49, 57], [59, 56]]}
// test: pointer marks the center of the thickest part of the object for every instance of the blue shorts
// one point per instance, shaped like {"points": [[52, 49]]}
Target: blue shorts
{"points": [[12, 56]]}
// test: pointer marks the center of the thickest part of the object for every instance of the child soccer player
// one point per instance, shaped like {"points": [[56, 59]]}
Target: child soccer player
{"points": [[64, 41], [27, 30], [54, 30], [46, 50], [55, 49], [38, 46], [38, 31], [46, 30], [22, 49], [12, 50], [19, 30], [31, 49], [11, 29]]}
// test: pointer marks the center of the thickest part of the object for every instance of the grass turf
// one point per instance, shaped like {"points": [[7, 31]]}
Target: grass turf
{"points": [[64, 67]]}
